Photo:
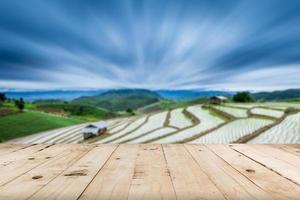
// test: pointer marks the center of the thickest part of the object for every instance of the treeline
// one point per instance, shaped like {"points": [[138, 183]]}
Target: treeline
{"points": [[74, 109], [19, 103], [243, 97]]}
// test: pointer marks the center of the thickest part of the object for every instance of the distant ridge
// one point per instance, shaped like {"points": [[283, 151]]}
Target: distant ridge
{"points": [[188, 95], [129, 92], [120, 99], [65, 95], [177, 95], [277, 95]]}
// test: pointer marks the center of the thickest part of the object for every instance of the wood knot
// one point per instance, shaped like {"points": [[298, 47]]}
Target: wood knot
{"points": [[250, 170], [77, 173], [37, 177]]}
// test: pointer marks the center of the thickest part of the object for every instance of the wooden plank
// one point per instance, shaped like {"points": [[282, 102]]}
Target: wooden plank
{"points": [[276, 152], [10, 148], [189, 181], [294, 149], [294, 145], [73, 181], [114, 179], [283, 168], [24, 153], [10, 145], [277, 186], [151, 178], [7, 145], [26, 185], [150, 171], [11, 170], [230, 182], [290, 148]]}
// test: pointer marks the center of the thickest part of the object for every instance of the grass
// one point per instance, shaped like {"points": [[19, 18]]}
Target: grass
{"points": [[168, 105], [218, 113], [150, 108], [114, 102], [89, 113], [30, 122], [190, 116], [215, 114]]}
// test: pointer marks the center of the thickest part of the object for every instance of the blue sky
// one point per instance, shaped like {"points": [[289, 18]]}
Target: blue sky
{"points": [[155, 44]]}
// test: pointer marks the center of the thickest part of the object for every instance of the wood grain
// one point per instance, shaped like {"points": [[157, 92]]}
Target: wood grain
{"points": [[149, 171], [114, 180]]}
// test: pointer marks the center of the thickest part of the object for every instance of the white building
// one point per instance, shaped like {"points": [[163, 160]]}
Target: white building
{"points": [[218, 99], [94, 129]]}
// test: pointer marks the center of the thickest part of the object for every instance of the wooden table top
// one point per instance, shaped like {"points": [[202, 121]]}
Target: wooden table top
{"points": [[149, 171]]}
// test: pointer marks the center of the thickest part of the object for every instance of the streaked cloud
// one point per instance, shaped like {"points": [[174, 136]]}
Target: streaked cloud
{"points": [[220, 44]]}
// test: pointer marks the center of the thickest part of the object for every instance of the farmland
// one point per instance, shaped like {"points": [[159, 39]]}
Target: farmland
{"points": [[267, 112], [232, 131], [228, 123], [288, 131], [234, 111]]}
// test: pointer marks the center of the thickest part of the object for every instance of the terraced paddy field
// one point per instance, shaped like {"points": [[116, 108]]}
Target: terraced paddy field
{"points": [[223, 124], [149, 171], [267, 112], [233, 111], [285, 132], [233, 131]]}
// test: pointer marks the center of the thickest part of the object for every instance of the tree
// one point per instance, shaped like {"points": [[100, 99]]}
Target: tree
{"points": [[2, 97], [243, 97], [20, 104], [129, 111]]}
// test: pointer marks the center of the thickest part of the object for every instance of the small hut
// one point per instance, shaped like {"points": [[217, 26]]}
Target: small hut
{"points": [[94, 129], [217, 99]]}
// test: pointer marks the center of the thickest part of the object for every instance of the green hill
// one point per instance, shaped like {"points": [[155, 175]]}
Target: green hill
{"points": [[87, 112], [277, 95], [30, 122], [119, 100]]}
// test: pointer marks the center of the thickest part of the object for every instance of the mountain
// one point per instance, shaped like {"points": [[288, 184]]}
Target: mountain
{"points": [[66, 95], [120, 100], [277, 95], [129, 92], [188, 95]]}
